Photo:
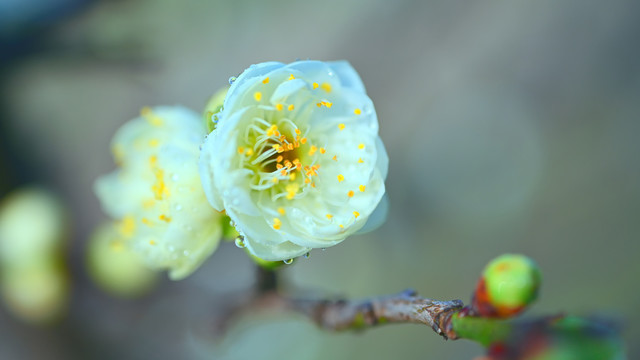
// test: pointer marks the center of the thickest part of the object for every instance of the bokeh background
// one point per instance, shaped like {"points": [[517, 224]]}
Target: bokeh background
{"points": [[510, 127]]}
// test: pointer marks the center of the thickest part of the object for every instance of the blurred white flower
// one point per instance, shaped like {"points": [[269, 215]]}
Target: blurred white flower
{"points": [[33, 277], [156, 194], [295, 159]]}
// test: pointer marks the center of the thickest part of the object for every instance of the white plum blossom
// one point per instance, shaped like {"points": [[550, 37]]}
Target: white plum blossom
{"points": [[295, 159], [156, 193]]}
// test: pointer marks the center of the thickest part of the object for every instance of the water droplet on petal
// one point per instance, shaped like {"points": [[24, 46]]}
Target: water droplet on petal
{"points": [[306, 256], [232, 79], [240, 242], [288, 261]]}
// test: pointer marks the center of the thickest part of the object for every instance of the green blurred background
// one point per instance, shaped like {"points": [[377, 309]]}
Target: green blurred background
{"points": [[510, 127]]}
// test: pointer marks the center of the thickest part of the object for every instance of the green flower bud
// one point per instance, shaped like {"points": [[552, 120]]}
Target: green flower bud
{"points": [[509, 283], [114, 267]]}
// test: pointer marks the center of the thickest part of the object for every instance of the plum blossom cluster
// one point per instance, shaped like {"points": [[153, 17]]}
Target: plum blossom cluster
{"points": [[294, 160]]}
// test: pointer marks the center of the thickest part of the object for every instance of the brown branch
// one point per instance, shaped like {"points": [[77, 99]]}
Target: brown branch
{"points": [[338, 315]]}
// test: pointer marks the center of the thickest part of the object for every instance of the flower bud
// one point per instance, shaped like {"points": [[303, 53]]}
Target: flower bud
{"points": [[509, 283]]}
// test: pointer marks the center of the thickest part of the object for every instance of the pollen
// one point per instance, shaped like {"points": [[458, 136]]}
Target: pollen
{"points": [[361, 146], [292, 176], [360, 160], [266, 80], [326, 87], [127, 226], [279, 107], [357, 111], [297, 131], [362, 188], [329, 216], [281, 211], [313, 150], [303, 141], [240, 150], [350, 193], [341, 127], [146, 221], [152, 242], [290, 107], [335, 157], [249, 152], [340, 178], [277, 223], [292, 190], [257, 95], [164, 218], [356, 214], [315, 85], [322, 150]]}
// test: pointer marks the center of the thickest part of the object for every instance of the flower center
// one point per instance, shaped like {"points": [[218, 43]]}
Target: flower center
{"points": [[281, 159]]}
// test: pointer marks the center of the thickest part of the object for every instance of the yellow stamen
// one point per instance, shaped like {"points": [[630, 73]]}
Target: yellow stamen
{"points": [[350, 193], [322, 150], [152, 242], [313, 150], [290, 107], [326, 87], [257, 96], [249, 152], [164, 218], [291, 77], [240, 149], [340, 178], [362, 188], [281, 211], [361, 146], [146, 221], [360, 160], [357, 111], [315, 85], [356, 214], [329, 216], [277, 223], [279, 107], [303, 141], [266, 80], [335, 157], [341, 127]]}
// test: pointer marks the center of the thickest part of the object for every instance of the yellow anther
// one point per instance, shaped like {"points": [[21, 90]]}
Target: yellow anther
{"points": [[152, 242], [303, 141], [326, 87], [279, 166], [319, 104], [164, 218], [240, 150], [335, 157], [279, 107], [356, 214], [290, 146], [281, 211], [350, 193], [127, 226], [291, 77], [340, 178], [274, 180], [307, 180], [313, 185], [290, 107], [291, 189], [322, 150], [357, 111], [329, 216], [328, 104], [292, 176], [297, 131], [315, 85], [313, 150], [360, 160], [257, 95], [361, 146], [341, 127], [276, 146], [249, 152], [279, 158], [154, 142], [277, 223], [146, 221], [266, 80], [283, 172], [362, 188]]}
